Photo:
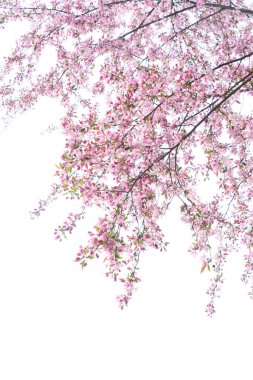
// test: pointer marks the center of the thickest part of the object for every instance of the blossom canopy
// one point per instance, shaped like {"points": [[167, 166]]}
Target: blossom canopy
{"points": [[151, 91]]}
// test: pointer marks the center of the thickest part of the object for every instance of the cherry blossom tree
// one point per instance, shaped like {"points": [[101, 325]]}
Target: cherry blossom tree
{"points": [[149, 89]]}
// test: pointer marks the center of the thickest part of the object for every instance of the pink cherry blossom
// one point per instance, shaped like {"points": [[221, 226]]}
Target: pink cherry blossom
{"points": [[148, 87]]}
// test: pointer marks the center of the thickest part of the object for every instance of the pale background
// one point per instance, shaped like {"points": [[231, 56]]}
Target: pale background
{"points": [[58, 322]]}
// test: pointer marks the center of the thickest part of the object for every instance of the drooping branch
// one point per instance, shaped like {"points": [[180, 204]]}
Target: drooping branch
{"points": [[224, 7]]}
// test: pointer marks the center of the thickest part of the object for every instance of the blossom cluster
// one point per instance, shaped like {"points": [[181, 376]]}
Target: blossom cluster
{"points": [[148, 87]]}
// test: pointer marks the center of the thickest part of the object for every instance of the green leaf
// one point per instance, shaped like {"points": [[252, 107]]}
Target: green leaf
{"points": [[117, 255]]}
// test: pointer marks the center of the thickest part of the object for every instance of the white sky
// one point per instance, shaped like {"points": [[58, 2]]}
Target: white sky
{"points": [[58, 322]]}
